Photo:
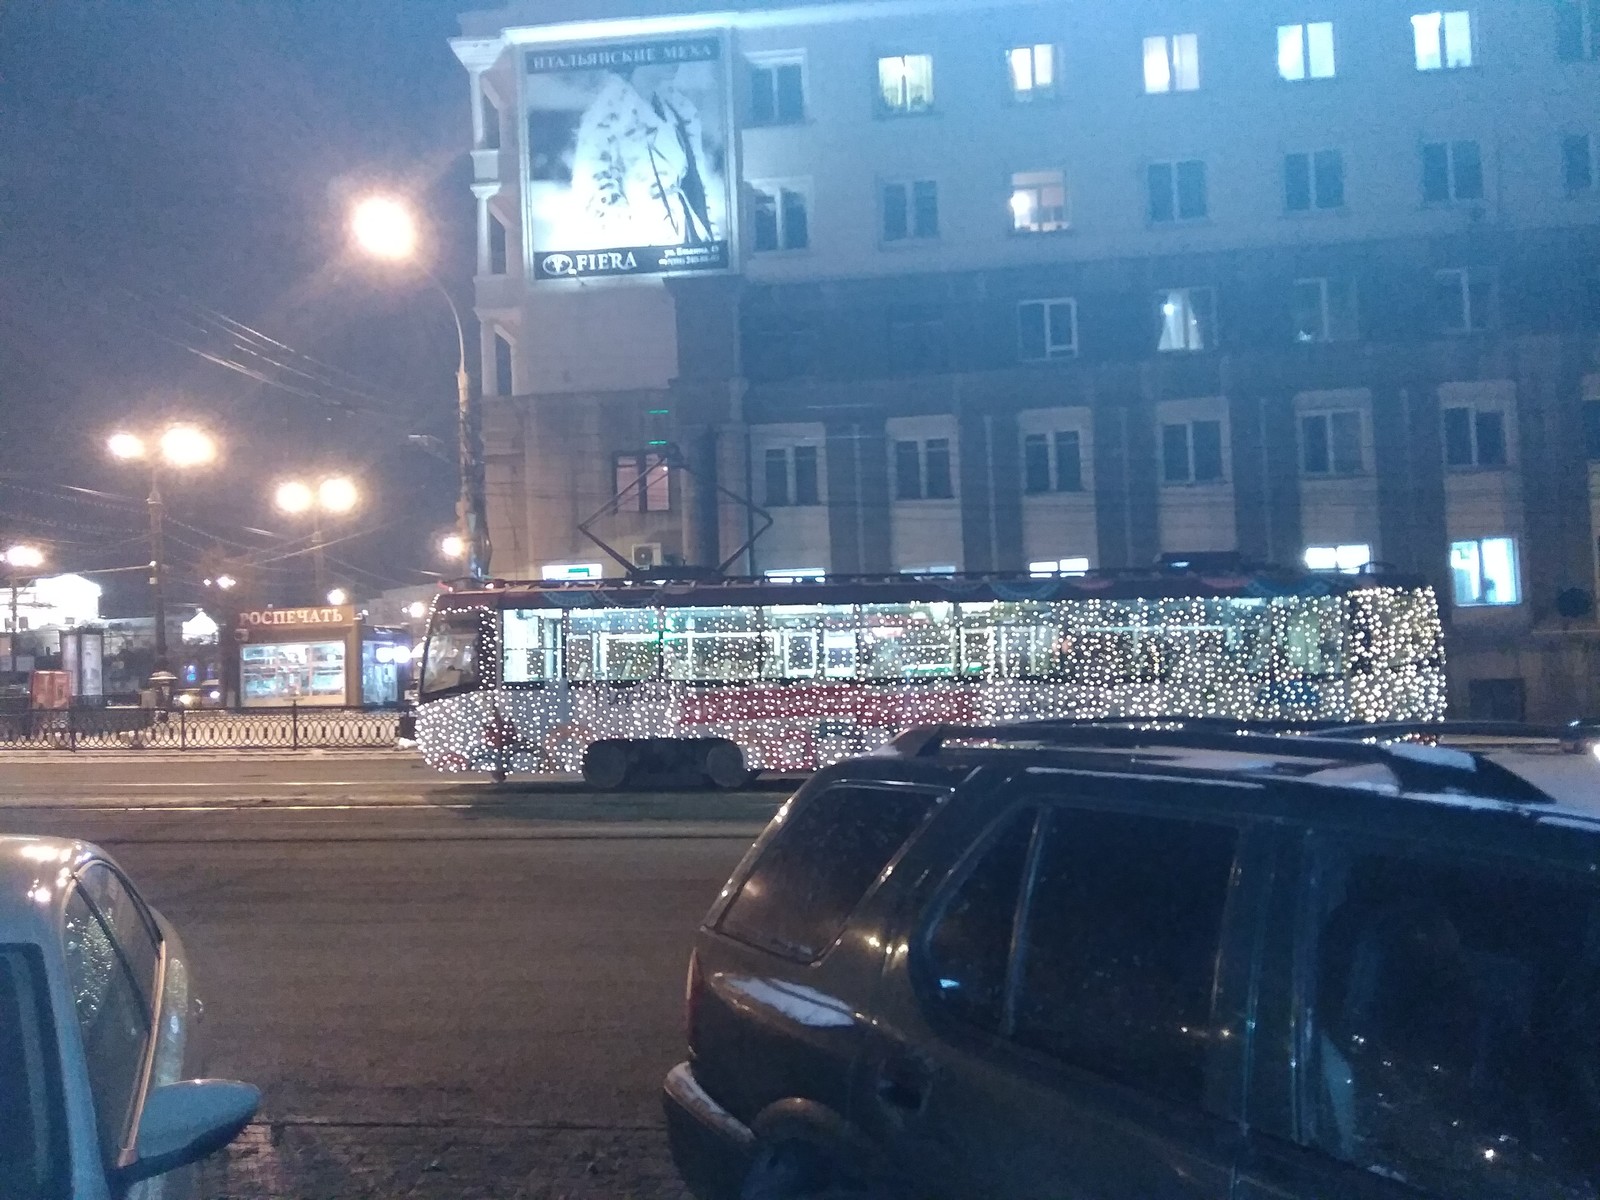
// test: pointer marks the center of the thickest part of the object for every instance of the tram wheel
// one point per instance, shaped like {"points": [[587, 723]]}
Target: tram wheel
{"points": [[724, 764], [607, 763]]}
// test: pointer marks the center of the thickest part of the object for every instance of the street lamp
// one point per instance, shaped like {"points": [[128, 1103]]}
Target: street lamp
{"points": [[385, 228], [334, 495], [453, 546], [178, 447], [18, 559], [338, 596]]}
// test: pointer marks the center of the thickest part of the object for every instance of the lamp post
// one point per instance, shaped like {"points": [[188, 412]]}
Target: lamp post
{"points": [[18, 559], [177, 447], [334, 495], [384, 228]]}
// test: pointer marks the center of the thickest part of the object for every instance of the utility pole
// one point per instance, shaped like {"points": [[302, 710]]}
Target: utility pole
{"points": [[162, 672]]}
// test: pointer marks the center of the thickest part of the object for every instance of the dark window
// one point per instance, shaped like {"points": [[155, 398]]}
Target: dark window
{"points": [[1035, 463], [796, 223], [491, 125], [791, 93], [1207, 451], [1069, 464], [1458, 437], [925, 209], [1191, 190], [938, 469], [1347, 456], [1591, 428], [969, 946], [113, 1017], [819, 865], [1297, 182], [907, 471], [1175, 454], [1032, 331], [1466, 165], [1436, 172], [895, 226], [1120, 947], [777, 478], [1577, 164], [1162, 201], [806, 489], [1328, 174], [33, 1153], [777, 94], [1452, 1030], [503, 382], [497, 245], [1314, 444], [765, 215], [1490, 429]]}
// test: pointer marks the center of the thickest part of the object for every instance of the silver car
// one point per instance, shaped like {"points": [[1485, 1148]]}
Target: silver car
{"points": [[97, 1036]]}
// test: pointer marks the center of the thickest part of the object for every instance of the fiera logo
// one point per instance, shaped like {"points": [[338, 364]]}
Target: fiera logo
{"points": [[599, 262], [558, 264]]}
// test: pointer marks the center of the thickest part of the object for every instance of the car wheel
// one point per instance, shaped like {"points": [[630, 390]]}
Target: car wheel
{"points": [[799, 1171]]}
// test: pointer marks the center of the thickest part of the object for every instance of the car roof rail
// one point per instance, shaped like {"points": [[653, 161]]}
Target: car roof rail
{"points": [[1414, 768], [1572, 735]]}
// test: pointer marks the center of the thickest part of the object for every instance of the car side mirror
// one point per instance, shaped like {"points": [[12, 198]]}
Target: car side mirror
{"points": [[183, 1122]]}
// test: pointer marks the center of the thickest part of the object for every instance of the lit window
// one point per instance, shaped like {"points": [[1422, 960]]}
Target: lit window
{"points": [[1191, 452], [1474, 437], [1172, 63], [905, 83], [1047, 329], [1443, 40], [1313, 180], [1188, 319], [1324, 310], [504, 379], [1049, 567], [1330, 443], [571, 571], [1177, 191], [1033, 71], [1578, 30], [1038, 202], [1052, 462], [1463, 299], [643, 483], [1349, 558], [1484, 572], [795, 574], [777, 92], [1451, 171], [1578, 162], [1306, 51], [930, 569], [910, 210], [781, 216]]}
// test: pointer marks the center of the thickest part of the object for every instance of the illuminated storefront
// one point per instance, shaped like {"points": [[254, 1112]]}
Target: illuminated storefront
{"points": [[323, 656]]}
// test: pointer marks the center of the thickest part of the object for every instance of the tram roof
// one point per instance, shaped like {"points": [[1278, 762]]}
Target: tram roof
{"points": [[1117, 584]]}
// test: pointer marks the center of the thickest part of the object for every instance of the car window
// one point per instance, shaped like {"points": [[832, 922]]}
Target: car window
{"points": [[819, 864], [32, 1127], [128, 921], [1455, 1029], [969, 945], [1120, 946], [113, 1017], [451, 663]]}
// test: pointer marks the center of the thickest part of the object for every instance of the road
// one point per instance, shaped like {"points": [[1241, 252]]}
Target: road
{"points": [[444, 989]]}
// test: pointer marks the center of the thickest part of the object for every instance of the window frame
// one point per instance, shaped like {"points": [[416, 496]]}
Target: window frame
{"points": [[1325, 416], [788, 452], [1035, 93], [1040, 227], [1315, 201], [1306, 72], [1475, 414], [1516, 571], [882, 106], [499, 263], [640, 490], [1051, 440], [1187, 424], [508, 375], [1454, 193], [1442, 48], [1053, 351], [908, 188], [775, 191], [1465, 278], [1188, 293], [769, 63], [1169, 43], [1173, 168]]}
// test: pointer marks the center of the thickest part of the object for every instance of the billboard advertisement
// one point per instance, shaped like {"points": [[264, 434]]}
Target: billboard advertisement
{"points": [[629, 158]]}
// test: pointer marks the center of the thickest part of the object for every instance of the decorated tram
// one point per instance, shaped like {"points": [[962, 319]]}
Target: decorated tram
{"points": [[735, 676]]}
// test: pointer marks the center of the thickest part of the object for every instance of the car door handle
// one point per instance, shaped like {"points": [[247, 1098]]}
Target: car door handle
{"points": [[903, 1082]]}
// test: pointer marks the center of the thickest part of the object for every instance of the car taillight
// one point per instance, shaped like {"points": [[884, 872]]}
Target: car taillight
{"points": [[692, 989]]}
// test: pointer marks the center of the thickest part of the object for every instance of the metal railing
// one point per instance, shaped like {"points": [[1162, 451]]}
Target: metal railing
{"points": [[293, 728]]}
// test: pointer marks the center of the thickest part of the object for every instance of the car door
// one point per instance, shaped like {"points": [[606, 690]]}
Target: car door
{"points": [[1443, 1021], [1064, 1021]]}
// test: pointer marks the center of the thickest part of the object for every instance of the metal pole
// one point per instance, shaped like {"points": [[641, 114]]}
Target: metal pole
{"points": [[471, 505], [319, 560], [158, 572], [13, 639]]}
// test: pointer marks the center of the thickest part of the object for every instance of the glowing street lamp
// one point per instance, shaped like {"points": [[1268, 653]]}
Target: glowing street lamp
{"points": [[453, 546], [179, 447], [334, 495], [384, 227], [338, 596], [19, 559]]}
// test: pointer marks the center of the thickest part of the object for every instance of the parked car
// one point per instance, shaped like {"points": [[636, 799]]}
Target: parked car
{"points": [[98, 1036], [1066, 961]]}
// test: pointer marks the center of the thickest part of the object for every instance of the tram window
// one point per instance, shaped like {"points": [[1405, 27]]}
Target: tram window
{"points": [[810, 641], [614, 644], [711, 643], [530, 645], [909, 641], [1009, 639]]}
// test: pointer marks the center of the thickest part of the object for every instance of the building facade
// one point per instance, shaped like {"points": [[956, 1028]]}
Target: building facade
{"points": [[1017, 285]]}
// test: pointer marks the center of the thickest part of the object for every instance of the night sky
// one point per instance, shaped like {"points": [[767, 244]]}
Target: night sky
{"points": [[170, 166]]}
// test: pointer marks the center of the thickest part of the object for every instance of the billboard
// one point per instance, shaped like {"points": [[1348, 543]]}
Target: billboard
{"points": [[629, 159]]}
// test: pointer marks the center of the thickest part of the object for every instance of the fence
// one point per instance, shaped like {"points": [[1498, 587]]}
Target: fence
{"points": [[292, 728]]}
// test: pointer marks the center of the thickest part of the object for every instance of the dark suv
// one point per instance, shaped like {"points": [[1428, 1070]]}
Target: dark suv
{"points": [[1057, 961]]}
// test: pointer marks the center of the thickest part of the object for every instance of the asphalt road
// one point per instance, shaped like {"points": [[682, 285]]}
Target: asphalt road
{"points": [[445, 989]]}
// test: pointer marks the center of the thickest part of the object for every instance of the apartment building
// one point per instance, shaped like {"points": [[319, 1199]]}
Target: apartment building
{"points": [[1030, 286]]}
